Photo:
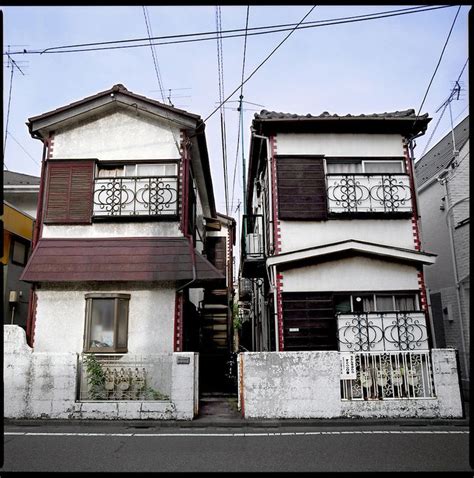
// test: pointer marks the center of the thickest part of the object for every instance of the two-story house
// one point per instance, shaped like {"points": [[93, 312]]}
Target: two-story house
{"points": [[332, 253], [123, 252]]}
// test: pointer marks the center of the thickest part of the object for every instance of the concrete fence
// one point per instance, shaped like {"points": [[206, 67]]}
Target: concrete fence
{"points": [[308, 385], [46, 385]]}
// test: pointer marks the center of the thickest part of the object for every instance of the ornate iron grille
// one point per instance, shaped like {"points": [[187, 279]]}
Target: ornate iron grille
{"points": [[368, 193], [113, 377], [389, 375], [136, 196], [382, 331]]}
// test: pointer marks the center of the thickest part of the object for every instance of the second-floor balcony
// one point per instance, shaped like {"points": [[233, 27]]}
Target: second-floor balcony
{"points": [[136, 196], [253, 246], [369, 193]]}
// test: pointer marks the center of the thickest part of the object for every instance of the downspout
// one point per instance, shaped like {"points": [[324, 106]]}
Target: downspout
{"points": [[36, 233]]}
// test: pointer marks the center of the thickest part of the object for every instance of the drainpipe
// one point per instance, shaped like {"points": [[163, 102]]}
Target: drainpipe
{"points": [[444, 182]]}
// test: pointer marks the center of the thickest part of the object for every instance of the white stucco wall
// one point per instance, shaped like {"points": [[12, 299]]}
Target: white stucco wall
{"points": [[307, 385], [302, 234], [119, 135], [356, 145], [349, 274], [44, 385], [60, 318], [122, 229]]}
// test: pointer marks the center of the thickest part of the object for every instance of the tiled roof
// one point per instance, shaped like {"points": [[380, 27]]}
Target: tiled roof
{"points": [[118, 88], [439, 156], [410, 114], [116, 259], [10, 178]]}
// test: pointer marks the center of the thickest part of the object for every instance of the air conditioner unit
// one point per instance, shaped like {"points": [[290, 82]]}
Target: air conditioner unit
{"points": [[254, 244]]}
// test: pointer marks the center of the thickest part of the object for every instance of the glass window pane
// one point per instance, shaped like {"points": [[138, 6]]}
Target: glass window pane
{"points": [[405, 302], [122, 316], [363, 303], [383, 167], [130, 170], [102, 323], [342, 303], [110, 172], [384, 303], [339, 167], [150, 169], [19, 252]]}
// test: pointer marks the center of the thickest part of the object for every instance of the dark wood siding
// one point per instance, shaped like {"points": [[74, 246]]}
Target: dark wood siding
{"points": [[313, 314], [301, 188], [216, 252], [69, 193]]}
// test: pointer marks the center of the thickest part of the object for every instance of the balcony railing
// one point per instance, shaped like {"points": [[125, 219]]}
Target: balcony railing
{"points": [[136, 196], [382, 331], [385, 376], [368, 193]]}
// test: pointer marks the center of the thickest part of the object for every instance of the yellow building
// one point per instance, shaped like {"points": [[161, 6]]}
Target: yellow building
{"points": [[17, 237]]}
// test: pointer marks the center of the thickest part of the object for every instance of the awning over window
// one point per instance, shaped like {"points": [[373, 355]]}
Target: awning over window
{"points": [[117, 259]]}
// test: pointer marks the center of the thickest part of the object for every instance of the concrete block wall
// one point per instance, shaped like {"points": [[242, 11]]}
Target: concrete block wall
{"points": [[307, 385], [44, 385]]}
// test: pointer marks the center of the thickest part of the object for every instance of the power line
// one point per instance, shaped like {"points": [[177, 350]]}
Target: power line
{"points": [[261, 64], [437, 66], [319, 23], [240, 109], [21, 146]]}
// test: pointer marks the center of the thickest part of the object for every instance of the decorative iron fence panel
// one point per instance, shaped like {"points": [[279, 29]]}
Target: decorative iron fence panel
{"points": [[118, 377], [365, 193], [388, 376], [382, 331], [136, 196]]}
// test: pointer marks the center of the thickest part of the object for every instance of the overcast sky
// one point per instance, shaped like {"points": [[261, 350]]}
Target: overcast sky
{"points": [[360, 67]]}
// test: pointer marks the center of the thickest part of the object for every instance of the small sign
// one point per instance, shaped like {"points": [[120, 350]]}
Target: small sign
{"points": [[294, 329], [348, 366], [183, 360]]}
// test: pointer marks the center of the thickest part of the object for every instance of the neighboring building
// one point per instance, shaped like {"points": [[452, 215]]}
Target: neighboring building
{"points": [[331, 246], [21, 190], [442, 179], [20, 194], [119, 267], [17, 236]]}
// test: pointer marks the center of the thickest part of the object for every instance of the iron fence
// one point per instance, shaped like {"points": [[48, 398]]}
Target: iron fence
{"points": [[118, 377], [136, 196], [386, 376], [368, 193]]}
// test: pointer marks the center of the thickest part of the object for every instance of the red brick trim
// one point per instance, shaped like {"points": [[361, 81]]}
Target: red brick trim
{"points": [[277, 242], [181, 188], [279, 306], [178, 322], [422, 288], [414, 217], [50, 143]]}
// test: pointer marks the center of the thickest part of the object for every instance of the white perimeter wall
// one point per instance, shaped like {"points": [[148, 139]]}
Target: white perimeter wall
{"points": [[355, 145], [44, 385], [60, 319], [307, 385], [117, 136], [350, 274]]}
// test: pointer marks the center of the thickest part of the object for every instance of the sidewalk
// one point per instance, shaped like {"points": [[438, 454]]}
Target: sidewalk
{"points": [[221, 412]]}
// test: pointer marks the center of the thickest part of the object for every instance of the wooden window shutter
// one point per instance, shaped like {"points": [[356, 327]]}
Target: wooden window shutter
{"points": [[69, 193], [301, 188]]}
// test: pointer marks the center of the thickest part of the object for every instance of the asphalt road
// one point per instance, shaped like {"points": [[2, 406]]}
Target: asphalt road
{"points": [[121, 448]]}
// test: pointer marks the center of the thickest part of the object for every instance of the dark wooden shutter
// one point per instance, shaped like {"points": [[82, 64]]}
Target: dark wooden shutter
{"points": [[69, 192], [309, 321], [301, 188]]}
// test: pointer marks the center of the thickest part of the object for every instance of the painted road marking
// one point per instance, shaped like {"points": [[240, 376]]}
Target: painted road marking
{"points": [[367, 432]]}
